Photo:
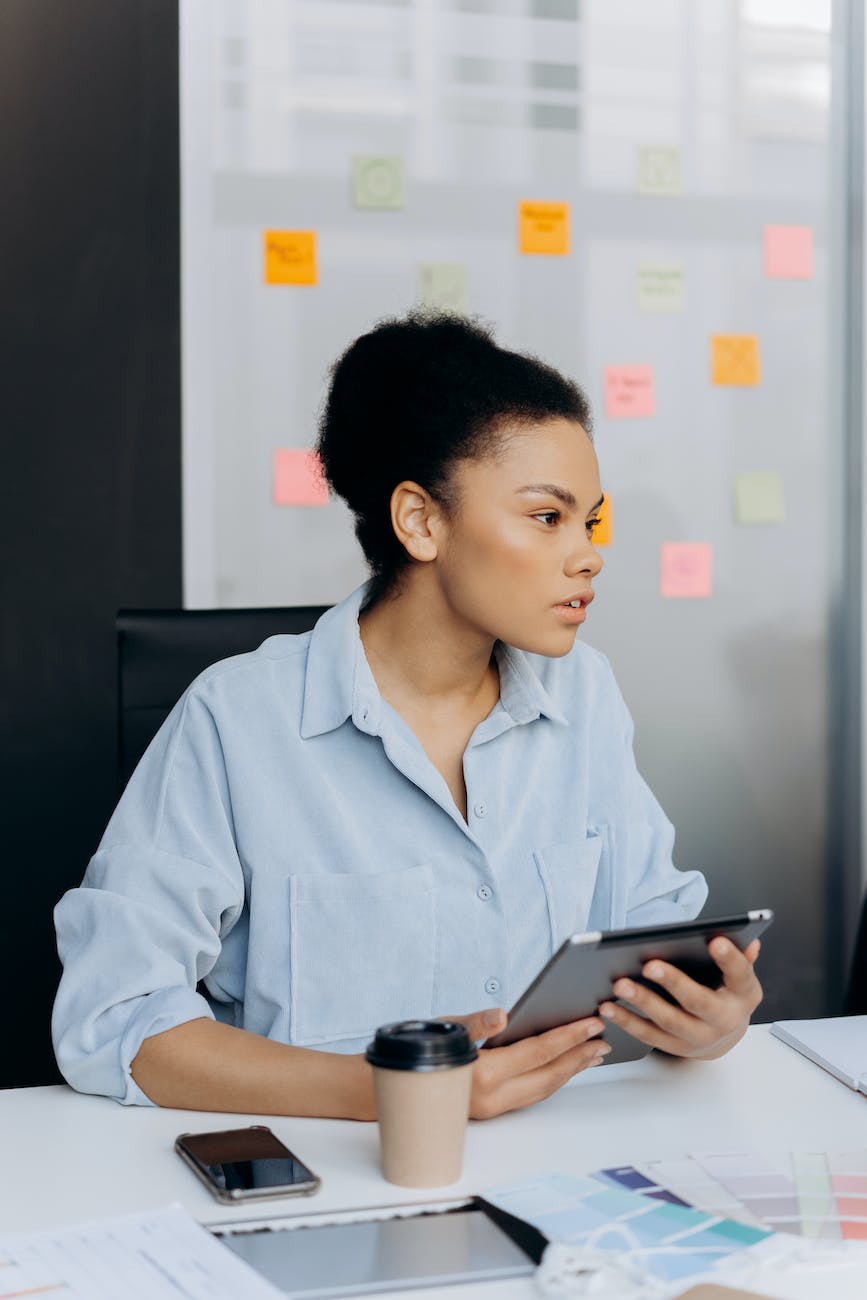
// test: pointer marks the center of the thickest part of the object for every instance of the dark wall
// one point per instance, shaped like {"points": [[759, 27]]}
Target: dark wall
{"points": [[90, 436]]}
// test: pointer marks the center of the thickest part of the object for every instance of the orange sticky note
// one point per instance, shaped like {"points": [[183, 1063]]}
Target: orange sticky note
{"points": [[298, 478], [629, 392], [543, 228], [735, 359], [603, 532], [686, 570], [789, 252], [290, 257]]}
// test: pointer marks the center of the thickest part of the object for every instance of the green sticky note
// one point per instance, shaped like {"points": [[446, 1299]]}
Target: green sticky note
{"points": [[378, 181], [759, 499], [658, 170], [443, 286], [659, 288]]}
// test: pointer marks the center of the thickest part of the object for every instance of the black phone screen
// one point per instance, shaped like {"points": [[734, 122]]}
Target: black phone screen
{"points": [[245, 1158]]}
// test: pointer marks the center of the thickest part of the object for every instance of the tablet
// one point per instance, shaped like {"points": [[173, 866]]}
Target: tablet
{"points": [[580, 974]]}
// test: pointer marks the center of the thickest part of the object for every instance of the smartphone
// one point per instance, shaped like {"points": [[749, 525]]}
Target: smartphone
{"points": [[240, 1164]]}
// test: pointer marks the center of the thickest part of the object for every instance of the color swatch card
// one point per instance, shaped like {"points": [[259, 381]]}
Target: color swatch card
{"points": [[735, 360], [543, 228], [629, 392], [670, 1241], [659, 288], [789, 252], [298, 478], [443, 286], [378, 181], [768, 1192], [687, 1180], [290, 257]]}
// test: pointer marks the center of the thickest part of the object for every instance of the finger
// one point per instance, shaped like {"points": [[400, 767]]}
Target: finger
{"points": [[481, 1024], [534, 1085], [672, 1019], [752, 951], [538, 1051], [644, 1030], [697, 999], [738, 974]]}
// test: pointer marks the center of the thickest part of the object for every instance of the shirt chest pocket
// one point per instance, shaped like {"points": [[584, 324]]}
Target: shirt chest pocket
{"points": [[362, 952], [569, 872]]}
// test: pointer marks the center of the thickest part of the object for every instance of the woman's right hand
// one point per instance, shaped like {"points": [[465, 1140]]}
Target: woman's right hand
{"points": [[507, 1078]]}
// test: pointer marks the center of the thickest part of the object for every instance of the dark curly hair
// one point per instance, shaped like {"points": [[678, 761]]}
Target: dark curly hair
{"points": [[412, 397]]}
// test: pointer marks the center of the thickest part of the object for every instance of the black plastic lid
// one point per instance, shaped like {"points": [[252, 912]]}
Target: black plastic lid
{"points": [[421, 1045]]}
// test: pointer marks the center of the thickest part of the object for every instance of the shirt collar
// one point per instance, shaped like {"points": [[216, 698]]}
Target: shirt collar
{"points": [[339, 684]]}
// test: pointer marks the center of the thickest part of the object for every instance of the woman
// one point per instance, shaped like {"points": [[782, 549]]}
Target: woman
{"points": [[404, 812]]}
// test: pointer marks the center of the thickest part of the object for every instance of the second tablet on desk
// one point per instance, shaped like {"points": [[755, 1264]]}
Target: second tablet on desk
{"points": [[580, 974]]}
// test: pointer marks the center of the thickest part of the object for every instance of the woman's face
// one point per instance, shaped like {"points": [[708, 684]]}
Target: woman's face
{"points": [[517, 547]]}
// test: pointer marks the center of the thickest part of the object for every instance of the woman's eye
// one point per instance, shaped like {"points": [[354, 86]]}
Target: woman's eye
{"points": [[592, 525], [548, 517]]}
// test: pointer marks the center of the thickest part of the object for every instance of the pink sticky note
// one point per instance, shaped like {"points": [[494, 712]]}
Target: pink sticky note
{"points": [[629, 392], [298, 479], [686, 569], [789, 252]]}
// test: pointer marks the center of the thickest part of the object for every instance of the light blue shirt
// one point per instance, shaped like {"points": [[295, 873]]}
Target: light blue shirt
{"points": [[286, 842]]}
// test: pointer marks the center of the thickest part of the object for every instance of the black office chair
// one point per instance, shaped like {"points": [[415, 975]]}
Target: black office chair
{"points": [[160, 651], [856, 994]]}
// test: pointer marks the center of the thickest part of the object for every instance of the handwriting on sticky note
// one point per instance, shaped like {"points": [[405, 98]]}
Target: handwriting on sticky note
{"points": [[789, 252], [735, 359], [443, 286], [629, 392], [603, 533], [686, 570], [298, 478], [658, 171], [378, 181], [290, 257], [659, 288], [759, 499], [543, 228]]}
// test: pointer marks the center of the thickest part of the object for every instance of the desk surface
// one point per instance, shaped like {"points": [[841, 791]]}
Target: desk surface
{"points": [[68, 1157]]}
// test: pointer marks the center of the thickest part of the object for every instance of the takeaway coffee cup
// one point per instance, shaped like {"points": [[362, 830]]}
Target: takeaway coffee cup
{"points": [[422, 1075]]}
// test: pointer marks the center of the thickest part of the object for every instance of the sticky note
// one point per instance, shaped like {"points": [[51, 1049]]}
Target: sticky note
{"points": [[629, 392], [686, 569], [443, 286], [378, 181], [789, 252], [298, 478], [543, 228], [735, 359], [658, 170], [604, 531], [659, 288], [759, 499], [290, 257]]}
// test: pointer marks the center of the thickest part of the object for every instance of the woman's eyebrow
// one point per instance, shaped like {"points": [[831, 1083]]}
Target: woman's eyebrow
{"points": [[549, 490]]}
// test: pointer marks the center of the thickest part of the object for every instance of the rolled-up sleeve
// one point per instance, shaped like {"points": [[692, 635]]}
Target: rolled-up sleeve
{"points": [[147, 923]]}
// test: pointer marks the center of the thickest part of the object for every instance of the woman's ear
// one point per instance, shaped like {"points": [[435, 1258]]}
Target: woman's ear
{"points": [[414, 515]]}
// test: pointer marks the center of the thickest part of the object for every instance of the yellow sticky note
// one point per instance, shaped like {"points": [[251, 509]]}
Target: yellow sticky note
{"points": [[543, 228], [290, 257], [759, 499], [735, 359], [604, 531]]}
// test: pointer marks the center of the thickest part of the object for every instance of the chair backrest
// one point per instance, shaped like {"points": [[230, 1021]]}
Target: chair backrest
{"points": [[160, 651]]}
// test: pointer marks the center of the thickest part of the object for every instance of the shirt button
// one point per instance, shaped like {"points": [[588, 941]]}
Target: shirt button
{"points": [[484, 892], [492, 986], [479, 810]]}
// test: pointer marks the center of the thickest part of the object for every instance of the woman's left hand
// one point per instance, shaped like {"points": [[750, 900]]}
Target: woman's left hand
{"points": [[707, 1022]]}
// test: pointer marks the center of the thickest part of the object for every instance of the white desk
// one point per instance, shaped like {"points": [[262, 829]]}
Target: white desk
{"points": [[67, 1157]]}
